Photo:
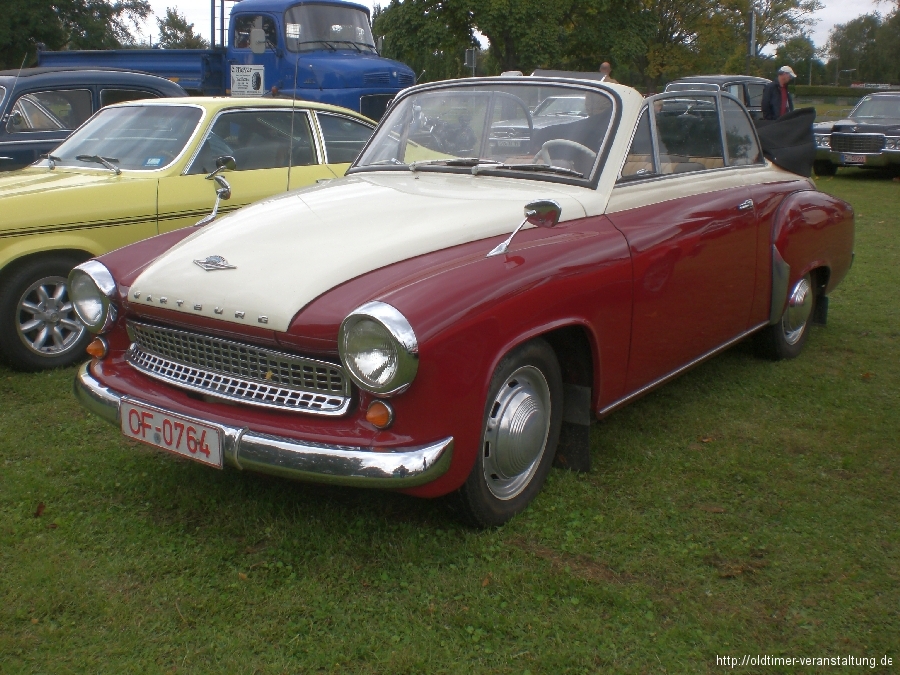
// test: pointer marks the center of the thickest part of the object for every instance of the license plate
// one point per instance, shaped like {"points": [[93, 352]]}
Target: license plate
{"points": [[853, 159], [181, 435]]}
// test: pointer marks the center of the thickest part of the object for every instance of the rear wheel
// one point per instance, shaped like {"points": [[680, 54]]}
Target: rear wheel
{"points": [[823, 167], [38, 325], [785, 339], [522, 420]]}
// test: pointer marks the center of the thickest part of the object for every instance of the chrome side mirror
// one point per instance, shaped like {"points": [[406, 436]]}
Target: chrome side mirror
{"points": [[226, 163], [222, 192], [540, 213], [257, 41]]}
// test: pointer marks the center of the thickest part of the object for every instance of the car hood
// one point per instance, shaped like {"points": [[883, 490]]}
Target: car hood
{"points": [[284, 252], [37, 180], [885, 125]]}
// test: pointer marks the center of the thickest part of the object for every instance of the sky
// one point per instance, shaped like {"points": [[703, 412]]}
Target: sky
{"points": [[835, 11]]}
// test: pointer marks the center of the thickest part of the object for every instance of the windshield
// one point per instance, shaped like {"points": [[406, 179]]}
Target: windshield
{"points": [[141, 138], [878, 107], [692, 86], [489, 127], [561, 105], [310, 27]]}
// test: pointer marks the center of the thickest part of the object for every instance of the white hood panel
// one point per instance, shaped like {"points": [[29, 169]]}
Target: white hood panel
{"points": [[290, 249]]}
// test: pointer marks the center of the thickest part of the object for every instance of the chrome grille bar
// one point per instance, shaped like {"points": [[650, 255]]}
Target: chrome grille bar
{"points": [[238, 372]]}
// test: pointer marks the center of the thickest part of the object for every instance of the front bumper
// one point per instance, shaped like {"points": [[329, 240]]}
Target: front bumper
{"points": [[314, 462], [879, 159]]}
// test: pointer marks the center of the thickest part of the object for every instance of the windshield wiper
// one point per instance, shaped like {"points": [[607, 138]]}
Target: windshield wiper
{"points": [[105, 161], [318, 42], [349, 42], [547, 168], [452, 161]]}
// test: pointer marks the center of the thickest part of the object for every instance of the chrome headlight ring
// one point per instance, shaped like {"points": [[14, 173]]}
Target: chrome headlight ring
{"points": [[379, 349], [92, 291], [823, 141]]}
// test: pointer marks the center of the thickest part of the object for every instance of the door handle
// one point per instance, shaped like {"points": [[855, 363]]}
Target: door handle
{"points": [[745, 205]]}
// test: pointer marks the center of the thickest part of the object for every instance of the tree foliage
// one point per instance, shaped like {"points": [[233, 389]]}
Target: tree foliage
{"points": [[176, 33], [66, 24], [870, 45]]}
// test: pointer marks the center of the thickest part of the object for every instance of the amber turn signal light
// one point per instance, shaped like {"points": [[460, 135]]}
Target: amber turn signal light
{"points": [[98, 348], [379, 414]]}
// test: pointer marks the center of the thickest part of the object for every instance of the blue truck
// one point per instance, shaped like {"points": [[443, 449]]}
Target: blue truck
{"points": [[316, 50]]}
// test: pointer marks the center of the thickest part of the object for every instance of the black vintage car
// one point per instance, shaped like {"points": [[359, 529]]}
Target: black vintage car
{"points": [[868, 138], [745, 88], [40, 107]]}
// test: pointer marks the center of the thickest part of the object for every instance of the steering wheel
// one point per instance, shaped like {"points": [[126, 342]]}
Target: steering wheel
{"points": [[544, 153]]}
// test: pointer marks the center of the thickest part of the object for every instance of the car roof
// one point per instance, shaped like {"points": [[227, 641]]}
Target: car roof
{"points": [[282, 5], [214, 104], [884, 94], [68, 75], [720, 79]]}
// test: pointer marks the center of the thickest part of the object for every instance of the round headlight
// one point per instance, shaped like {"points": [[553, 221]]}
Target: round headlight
{"points": [[92, 290], [379, 349]]}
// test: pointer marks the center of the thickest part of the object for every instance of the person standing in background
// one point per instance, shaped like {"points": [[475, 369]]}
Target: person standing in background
{"points": [[606, 71], [776, 100]]}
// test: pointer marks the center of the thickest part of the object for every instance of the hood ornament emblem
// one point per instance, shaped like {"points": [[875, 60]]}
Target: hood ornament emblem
{"points": [[214, 262]]}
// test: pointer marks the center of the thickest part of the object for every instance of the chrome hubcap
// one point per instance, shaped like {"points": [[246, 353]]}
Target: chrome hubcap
{"points": [[799, 308], [45, 319], [516, 433]]}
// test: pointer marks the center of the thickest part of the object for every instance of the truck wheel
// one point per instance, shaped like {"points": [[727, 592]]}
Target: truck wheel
{"points": [[522, 420], [786, 338], [823, 167], [38, 325]]}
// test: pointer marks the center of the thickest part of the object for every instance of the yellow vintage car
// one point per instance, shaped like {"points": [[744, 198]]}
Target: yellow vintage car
{"points": [[139, 169]]}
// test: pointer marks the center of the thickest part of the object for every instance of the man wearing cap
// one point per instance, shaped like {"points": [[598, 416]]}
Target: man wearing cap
{"points": [[776, 100]]}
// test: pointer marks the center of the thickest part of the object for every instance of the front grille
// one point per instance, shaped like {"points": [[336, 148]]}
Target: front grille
{"points": [[864, 143], [239, 372], [375, 79]]}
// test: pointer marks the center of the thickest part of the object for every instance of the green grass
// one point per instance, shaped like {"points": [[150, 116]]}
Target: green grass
{"points": [[749, 507]]}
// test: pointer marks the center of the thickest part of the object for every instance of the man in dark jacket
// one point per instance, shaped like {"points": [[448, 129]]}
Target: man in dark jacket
{"points": [[776, 100]]}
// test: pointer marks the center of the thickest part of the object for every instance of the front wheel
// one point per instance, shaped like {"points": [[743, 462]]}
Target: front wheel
{"points": [[785, 339], [522, 420], [38, 325]]}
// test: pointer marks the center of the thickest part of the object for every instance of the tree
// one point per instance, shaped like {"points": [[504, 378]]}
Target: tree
{"points": [[176, 33], [66, 24]]}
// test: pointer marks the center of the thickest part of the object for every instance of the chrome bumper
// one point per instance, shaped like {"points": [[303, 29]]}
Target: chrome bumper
{"points": [[315, 462]]}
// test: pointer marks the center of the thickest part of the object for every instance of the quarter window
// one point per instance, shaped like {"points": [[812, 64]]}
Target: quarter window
{"points": [[688, 134], [110, 96], [639, 161], [50, 110], [344, 138], [754, 95], [739, 136], [257, 139]]}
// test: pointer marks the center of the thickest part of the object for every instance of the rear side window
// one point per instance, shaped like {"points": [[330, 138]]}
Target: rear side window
{"points": [[344, 138], [739, 136], [689, 137], [110, 96], [50, 110], [639, 161], [257, 139], [754, 95], [245, 22]]}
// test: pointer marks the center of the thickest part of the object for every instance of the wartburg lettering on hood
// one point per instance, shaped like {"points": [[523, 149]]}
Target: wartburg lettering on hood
{"points": [[287, 251]]}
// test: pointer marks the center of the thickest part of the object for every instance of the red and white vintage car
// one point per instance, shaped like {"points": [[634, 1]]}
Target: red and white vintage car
{"points": [[386, 330]]}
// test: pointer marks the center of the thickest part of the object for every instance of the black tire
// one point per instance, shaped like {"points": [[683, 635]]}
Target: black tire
{"points": [[493, 492], [23, 350], [785, 340], [823, 167]]}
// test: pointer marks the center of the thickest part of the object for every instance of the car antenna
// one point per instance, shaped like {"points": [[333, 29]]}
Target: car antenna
{"points": [[19, 72], [291, 142]]}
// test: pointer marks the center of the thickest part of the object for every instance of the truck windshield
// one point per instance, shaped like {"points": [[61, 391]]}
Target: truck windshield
{"points": [[310, 27], [137, 138], [488, 128]]}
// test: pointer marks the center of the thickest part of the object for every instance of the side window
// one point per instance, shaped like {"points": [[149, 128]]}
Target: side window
{"points": [[739, 136], [110, 96], [244, 22], [736, 90], [50, 110], [754, 95], [639, 161], [688, 134], [344, 138], [257, 139]]}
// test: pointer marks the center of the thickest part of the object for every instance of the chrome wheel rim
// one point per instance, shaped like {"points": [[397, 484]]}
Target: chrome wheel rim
{"points": [[516, 432], [799, 308], [45, 319]]}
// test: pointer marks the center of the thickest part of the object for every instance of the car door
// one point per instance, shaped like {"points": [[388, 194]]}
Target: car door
{"points": [[692, 232], [263, 142], [344, 138], [37, 121]]}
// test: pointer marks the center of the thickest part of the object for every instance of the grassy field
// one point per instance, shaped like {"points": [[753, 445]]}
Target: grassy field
{"points": [[750, 507]]}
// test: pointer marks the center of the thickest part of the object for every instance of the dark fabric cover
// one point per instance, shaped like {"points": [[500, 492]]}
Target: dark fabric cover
{"points": [[789, 142]]}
